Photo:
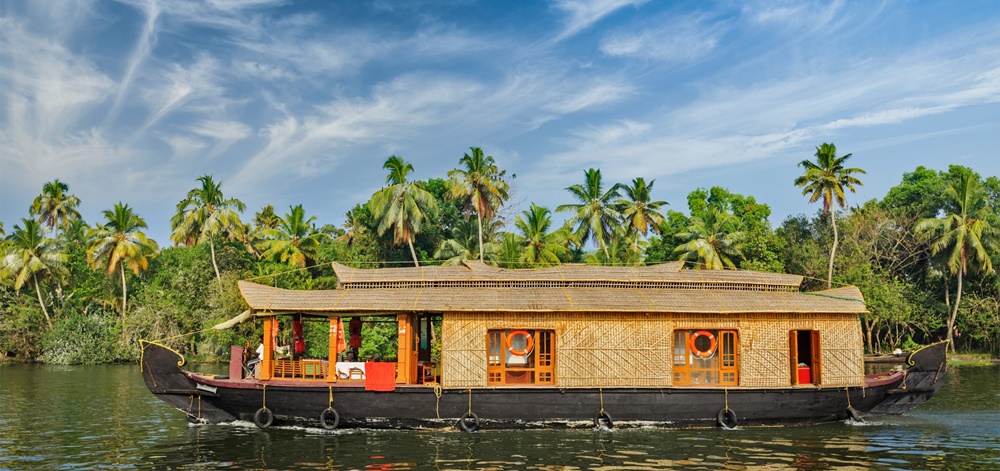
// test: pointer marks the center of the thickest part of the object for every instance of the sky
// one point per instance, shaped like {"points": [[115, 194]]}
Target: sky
{"points": [[300, 102]]}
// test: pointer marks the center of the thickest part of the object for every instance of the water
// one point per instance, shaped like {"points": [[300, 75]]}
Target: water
{"points": [[102, 417]]}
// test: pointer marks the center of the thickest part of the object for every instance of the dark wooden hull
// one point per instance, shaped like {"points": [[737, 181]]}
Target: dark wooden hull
{"points": [[210, 399]]}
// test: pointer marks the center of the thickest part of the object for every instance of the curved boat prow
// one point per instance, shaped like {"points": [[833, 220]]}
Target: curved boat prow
{"points": [[162, 373], [921, 380]]}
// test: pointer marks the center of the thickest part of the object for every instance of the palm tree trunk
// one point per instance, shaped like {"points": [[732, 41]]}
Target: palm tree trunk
{"points": [[954, 310], [124, 292], [833, 250], [413, 252], [38, 291], [211, 245], [479, 219]]}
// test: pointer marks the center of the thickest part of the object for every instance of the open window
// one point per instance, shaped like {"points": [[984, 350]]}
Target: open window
{"points": [[520, 357], [706, 357], [804, 351]]}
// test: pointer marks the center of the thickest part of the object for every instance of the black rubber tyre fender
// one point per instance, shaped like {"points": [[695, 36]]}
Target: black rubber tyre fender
{"points": [[263, 418], [603, 415], [854, 414], [465, 425], [329, 419], [726, 419]]}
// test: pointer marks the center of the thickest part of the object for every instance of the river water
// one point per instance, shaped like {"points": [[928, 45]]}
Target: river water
{"points": [[102, 417]]}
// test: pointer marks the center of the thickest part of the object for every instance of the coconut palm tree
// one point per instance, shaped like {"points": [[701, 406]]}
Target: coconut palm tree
{"points": [[54, 207], [826, 179], [711, 240], [119, 243], [295, 241], [639, 212], [403, 206], [509, 248], [266, 218], [596, 214], [480, 186], [541, 248], [464, 244], [29, 255], [204, 215], [623, 250], [963, 235]]}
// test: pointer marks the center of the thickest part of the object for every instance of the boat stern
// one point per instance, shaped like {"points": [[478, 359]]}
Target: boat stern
{"points": [[921, 380], [162, 373]]}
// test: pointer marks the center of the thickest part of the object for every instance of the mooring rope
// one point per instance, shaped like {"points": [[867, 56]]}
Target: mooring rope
{"points": [[600, 391], [847, 390], [264, 397], [437, 400], [331, 396], [470, 400], [727, 398]]}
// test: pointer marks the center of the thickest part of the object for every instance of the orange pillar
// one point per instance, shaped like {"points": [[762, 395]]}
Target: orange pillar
{"points": [[267, 363], [406, 367], [331, 366]]}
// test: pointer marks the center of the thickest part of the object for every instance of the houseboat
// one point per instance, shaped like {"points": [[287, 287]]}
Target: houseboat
{"points": [[567, 346]]}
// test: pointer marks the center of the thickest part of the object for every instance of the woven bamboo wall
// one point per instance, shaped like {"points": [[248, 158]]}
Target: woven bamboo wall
{"points": [[634, 350]]}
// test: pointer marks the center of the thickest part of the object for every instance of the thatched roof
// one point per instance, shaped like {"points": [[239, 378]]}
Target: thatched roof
{"points": [[475, 287]]}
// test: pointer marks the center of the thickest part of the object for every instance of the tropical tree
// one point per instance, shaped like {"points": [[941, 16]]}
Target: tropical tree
{"points": [[464, 244], [119, 244], [29, 255], [596, 214], [964, 235], [623, 250], [204, 215], [826, 179], [639, 212], [294, 241], [480, 186], [266, 218], [403, 206], [54, 207], [541, 248], [711, 240]]}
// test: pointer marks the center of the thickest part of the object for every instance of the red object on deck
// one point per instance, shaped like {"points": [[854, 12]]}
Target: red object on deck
{"points": [[380, 376], [805, 375]]}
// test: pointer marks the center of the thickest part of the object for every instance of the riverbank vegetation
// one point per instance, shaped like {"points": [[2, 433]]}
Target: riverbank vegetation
{"points": [[75, 291]]}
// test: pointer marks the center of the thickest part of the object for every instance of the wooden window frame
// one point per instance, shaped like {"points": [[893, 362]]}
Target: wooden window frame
{"points": [[539, 364], [719, 370]]}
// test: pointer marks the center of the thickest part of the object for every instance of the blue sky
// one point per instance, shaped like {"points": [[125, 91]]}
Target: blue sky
{"points": [[290, 102]]}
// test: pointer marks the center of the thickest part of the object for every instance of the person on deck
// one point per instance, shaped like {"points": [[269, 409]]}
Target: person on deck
{"points": [[354, 327]]}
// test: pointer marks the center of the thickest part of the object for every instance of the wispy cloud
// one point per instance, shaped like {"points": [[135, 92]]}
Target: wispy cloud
{"points": [[673, 39], [581, 14]]}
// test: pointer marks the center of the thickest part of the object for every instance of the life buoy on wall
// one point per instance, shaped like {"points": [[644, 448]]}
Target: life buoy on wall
{"points": [[711, 346], [529, 343]]}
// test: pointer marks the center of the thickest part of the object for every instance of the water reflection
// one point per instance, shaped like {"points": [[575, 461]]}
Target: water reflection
{"points": [[96, 417]]}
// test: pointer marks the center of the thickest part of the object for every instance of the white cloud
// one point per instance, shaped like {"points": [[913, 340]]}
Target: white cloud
{"points": [[681, 39], [583, 13]]}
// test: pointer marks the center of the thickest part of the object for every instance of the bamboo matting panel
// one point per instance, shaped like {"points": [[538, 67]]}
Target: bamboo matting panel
{"points": [[634, 350]]}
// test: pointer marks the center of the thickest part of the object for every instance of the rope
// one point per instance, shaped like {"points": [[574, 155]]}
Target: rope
{"points": [[190, 404], [848, 391], [727, 398], [470, 399], [185, 335], [601, 392], [199, 407], [264, 405], [437, 400], [331, 396], [903, 386]]}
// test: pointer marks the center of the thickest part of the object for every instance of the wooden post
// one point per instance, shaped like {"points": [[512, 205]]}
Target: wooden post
{"points": [[406, 367], [267, 363], [331, 366]]}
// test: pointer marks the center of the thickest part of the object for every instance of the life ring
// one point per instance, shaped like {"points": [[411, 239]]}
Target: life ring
{"points": [[726, 419], [603, 416], [465, 425], [329, 419], [529, 345], [263, 417], [711, 347]]}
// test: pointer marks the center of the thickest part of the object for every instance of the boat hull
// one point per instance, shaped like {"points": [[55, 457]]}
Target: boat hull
{"points": [[212, 399]]}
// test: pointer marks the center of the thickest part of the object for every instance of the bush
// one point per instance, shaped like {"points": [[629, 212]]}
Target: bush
{"points": [[82, 339]]}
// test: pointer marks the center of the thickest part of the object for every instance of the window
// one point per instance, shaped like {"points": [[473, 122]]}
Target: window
{"points": [[520, 356], [705, 357]]}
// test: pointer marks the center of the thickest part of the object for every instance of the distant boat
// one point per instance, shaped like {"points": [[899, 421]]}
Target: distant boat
{"points": [[567, 346]]}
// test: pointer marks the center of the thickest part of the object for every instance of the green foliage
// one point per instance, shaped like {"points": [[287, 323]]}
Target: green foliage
{"points": [[82, 338]]}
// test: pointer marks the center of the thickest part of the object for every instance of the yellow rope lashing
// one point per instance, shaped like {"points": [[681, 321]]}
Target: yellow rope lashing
{"points": [[601, 392], [848, 391], [437, 401], [470, 399], [727, 398], [331, 396], [264, 404]]}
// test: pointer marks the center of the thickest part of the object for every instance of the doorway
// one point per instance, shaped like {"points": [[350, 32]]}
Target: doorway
{"points": [[806, 367]]}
